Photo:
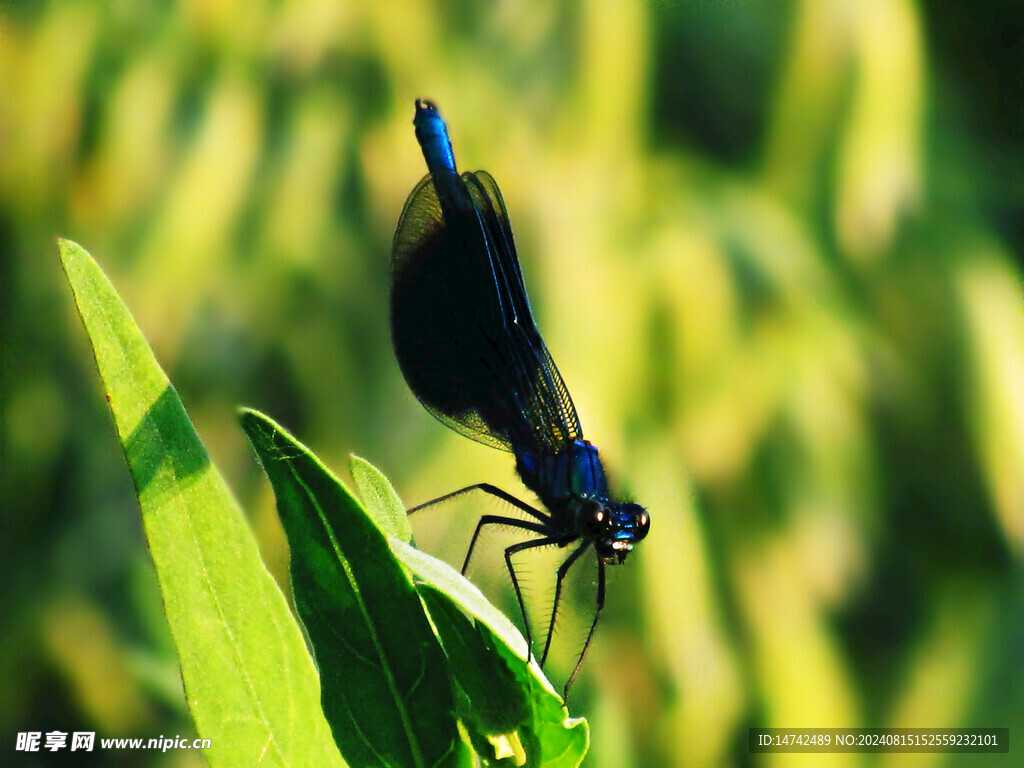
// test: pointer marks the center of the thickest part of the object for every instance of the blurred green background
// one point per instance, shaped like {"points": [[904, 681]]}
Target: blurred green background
{"points": [[775, 248]]}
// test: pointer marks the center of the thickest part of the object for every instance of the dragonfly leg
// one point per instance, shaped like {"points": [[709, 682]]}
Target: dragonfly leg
{"points": [[563, 569], [590, 634], [509, 551], [512, 522], [493, 490]]}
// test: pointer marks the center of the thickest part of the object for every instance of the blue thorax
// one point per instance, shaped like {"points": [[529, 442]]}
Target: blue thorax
{"points": [[573, 474]]}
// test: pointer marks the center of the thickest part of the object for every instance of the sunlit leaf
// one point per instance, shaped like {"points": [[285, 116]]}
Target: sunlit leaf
{"points": [[386, 687], [550, 736], [251, 685], [380, 500]]}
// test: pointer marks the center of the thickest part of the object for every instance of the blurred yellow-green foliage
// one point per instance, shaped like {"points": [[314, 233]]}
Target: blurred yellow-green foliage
{"points": [[775, 248]]}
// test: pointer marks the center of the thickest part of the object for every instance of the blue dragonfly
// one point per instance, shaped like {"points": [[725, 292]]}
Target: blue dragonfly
{"points": [[469, 349]]}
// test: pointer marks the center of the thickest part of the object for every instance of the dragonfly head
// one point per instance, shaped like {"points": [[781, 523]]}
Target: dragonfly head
{"points": [[613, 527]]}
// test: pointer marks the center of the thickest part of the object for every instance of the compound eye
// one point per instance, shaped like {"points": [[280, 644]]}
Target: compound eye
{"points": [[643, 524], [641, 521], [593, 514]]}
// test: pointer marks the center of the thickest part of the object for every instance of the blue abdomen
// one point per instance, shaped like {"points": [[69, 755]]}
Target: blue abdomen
{"points": [[432, 134]]}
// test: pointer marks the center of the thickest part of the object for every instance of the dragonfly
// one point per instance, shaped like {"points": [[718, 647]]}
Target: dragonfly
{"points": [[469, 349]]}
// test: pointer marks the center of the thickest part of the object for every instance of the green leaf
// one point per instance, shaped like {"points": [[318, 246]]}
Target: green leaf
{"points": [[251, 685], [551, 738], [561, 741], [380, 500], [498, 704], [469, 598], [386, 684]]}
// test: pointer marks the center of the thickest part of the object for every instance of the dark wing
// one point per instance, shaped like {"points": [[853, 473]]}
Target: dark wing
{"points": [[461, 323]]}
